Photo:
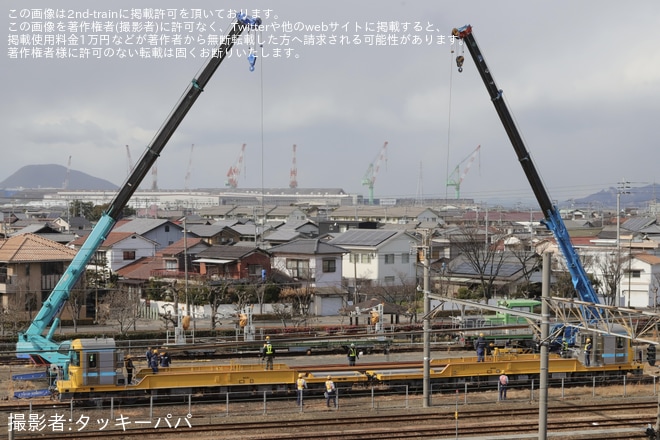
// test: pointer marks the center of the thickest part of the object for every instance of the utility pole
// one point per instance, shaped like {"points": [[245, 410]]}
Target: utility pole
{"points": [[426, 400], [621, 189], [545, 333]]}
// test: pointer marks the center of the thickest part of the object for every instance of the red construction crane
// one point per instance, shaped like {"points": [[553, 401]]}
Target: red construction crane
{"points": [[189, 170], [235, 170], [293, 176]]}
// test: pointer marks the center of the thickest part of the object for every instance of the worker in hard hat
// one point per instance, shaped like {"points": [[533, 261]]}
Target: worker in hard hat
{"points": [[352, 355], [301, 384], [268, 353], [165, 359], [587, 353], [480, 346], [154, 361], [128, 364], [330, 392]]}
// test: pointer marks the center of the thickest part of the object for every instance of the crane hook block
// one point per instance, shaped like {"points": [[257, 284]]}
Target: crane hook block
{"points": [[459, 62], [252, 59]]}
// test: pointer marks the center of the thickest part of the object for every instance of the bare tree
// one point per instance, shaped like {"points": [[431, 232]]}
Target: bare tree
{"points": [[611, 267], [75, 304], [299, 300], [122, 308], [530, 262], [243, 296], [10, 323], [481, 252], [655, 286], [214, 295], [283, 313], [404, 293]]}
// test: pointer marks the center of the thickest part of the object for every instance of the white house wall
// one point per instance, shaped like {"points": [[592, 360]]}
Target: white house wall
{"points": [[327, 279], [400, 271], [142, 248], [376, 270], [321, 279], [639, 292]]}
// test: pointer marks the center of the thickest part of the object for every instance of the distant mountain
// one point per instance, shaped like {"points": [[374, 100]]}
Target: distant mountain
{"points": [[54, 176], [632, 196]]}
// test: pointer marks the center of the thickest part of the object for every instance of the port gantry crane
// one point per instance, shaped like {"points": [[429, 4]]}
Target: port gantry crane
{"points": [[552, 219], [33, 342]]}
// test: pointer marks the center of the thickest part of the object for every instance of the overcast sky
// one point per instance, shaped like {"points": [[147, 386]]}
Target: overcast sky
{"points": [[581, 78]]}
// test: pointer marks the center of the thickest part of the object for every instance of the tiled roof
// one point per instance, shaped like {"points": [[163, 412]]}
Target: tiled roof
{"points": [[648, 258], [112, 239], [228, 252], [178, 247], [31, 247], [141, 269], [141, 225], [307, 246]]}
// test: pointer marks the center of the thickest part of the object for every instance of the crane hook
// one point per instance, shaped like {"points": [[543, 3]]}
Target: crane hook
{"points": [[252, 59], [459, 62]]}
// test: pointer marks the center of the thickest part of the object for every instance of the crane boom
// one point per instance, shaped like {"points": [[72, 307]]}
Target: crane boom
{"points": [[457, 176], [552, 220], [293, 175], [189, 169], [369, 178], [32, 341], [235, 170]]}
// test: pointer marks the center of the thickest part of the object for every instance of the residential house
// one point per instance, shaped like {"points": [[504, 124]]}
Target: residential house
{"points": [[46, 230], [378, 257], [217, 213], [168, 265], [640, 283], [234, 263], [380, 214], [30, 267], [335, 227], [178, 258], [284, 213], [290, 231], [316, 264], [502, 274], [219, 232], [78, 225], [118, 250], [162, 232]]}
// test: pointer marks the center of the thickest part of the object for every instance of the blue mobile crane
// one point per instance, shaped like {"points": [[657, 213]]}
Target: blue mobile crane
{"points": [[552, 220], [33, 342]]}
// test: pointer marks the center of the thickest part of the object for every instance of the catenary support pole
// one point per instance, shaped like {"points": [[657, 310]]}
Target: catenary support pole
{"points": [[545, 329], [426, 400]]}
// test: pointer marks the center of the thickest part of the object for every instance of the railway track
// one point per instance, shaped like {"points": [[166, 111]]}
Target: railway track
{"points": [[608, 420]]}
